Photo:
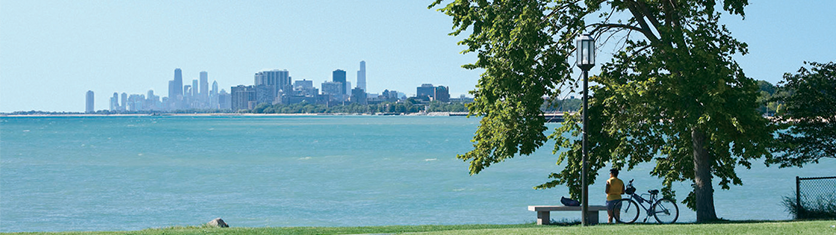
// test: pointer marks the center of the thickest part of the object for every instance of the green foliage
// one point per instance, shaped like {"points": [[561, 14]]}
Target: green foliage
{"points": [[562, 105], [672, 94], [524, 56], [769, 106], [818, 208], [810, 132]]}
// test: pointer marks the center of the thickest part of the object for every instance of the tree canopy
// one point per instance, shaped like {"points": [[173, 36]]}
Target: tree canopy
{"points": [[810, 116], [672, 94]]}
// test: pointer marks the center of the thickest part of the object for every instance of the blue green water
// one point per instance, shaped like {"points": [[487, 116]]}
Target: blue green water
{"points": [[131, 173]]}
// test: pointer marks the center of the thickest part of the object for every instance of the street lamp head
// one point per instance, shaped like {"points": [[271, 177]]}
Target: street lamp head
{"points": [[586, 51]]}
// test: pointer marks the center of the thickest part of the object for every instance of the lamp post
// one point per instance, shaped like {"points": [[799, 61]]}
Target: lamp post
{"points": [[586, 60]]}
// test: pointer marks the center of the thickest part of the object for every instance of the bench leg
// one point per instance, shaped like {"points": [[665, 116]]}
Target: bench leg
{"points": [[593, 217], [543, 218]]}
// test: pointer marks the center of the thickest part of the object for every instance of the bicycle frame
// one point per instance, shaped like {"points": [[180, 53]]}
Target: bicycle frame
{"points": [[641, 202]]}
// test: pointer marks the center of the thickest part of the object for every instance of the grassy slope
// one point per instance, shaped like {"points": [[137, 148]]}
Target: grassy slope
{"points": [[782, 227]]}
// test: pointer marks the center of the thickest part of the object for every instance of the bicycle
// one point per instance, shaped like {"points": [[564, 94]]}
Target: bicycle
{"points": [[664, 210]]}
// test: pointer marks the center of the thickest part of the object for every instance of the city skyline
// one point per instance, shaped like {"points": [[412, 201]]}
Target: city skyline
{"points": [[200, 90], [67, 48], [269, 86]]}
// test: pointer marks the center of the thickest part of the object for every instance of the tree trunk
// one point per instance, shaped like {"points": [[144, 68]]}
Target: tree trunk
{"points": [[703, 189]]}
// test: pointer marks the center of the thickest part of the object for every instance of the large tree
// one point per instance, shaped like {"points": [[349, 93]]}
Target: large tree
{"points": [[810, 116], [672, 94]]}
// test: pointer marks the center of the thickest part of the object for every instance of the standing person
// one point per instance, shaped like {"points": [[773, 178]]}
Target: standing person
{"points": [[615, 187]]}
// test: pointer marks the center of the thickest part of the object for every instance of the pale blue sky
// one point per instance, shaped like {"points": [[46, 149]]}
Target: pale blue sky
{"points": [[52, 52]]}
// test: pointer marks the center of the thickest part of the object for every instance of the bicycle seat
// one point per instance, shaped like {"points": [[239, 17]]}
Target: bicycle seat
{"points": [[653, 191]]}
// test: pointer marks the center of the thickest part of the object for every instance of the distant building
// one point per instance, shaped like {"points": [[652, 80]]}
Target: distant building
{"points": [[388, 95], [204, 86], [429, 92], [224, 100], [242, 97], [135, 102], [90, 106], [214, 88], [442, 93], [175, 92], [114, 102], [187, 89], [332, 89], [303, 84], [264, 94], [277, 79], [194, 89], [347, 88], [124, 102], [213, 96], [304, 88], [339, 76], [152, 102], [461, 99], [295, 99], [425, 91], [358, 96], [361, 76], [176, 87]]}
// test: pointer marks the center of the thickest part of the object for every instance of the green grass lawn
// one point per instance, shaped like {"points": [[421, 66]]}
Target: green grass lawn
{"points": [[744, 227]]}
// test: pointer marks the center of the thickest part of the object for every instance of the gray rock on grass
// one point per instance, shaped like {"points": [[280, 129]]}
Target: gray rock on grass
{"points": [[218, 223]]}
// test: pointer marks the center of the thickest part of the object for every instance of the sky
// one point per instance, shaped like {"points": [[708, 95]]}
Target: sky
{"points": [[53, 52]]}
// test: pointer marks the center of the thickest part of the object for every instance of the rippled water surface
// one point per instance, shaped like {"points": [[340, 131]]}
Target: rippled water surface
{"points": [[131, 173]]}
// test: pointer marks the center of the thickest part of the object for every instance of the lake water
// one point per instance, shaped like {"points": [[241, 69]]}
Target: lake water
{"points": [[131, 173]]}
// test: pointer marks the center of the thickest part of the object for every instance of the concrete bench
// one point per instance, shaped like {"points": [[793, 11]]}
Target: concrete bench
{"points": [[543, 212]]}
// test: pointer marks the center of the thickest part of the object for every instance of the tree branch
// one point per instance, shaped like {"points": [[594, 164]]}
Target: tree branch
{"points": [[608, 26], [645, 29]]}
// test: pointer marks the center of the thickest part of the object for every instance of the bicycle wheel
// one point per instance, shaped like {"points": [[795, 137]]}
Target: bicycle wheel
{"points": [[626, 211], [665, 211]]}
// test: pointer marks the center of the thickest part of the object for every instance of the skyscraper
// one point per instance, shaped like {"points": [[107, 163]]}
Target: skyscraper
{"points": [[187, 89], [339, 76], [214, 88], [347, 88], [90, 107], [361, 76], [178, 84], [427, 90], [172, 91], [213, 96], [194, 90], [264, 94], [358, 96], [114, 102], [124, 101], [204, 85], [278, 79], [242, 97], [224, 100], [442, 93], [175, 92]]}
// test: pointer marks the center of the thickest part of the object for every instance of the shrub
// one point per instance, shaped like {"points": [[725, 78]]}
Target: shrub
{"points": [[821, 207]]}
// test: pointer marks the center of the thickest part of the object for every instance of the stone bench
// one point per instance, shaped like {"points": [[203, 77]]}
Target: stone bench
{"points": [[543, 212]]}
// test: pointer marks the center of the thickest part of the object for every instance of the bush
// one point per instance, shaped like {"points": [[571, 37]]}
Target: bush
{"points": [[821, 207]]}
